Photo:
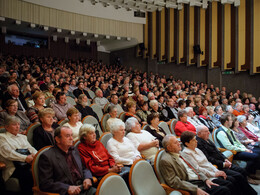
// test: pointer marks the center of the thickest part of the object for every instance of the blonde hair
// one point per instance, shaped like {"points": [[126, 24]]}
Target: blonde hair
{"points": [[84, 130], [46, 111]]}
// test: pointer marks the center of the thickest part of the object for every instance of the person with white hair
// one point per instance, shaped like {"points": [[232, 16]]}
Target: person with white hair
{"points": [[238, 109], [93, 153], [229, 109], [252, 125], [143, 141], [99, 99], [190, 117], [120, 147], [242, 126]]}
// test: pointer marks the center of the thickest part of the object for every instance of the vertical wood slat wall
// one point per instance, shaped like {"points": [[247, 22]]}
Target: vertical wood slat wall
{"points": [[227, 35]]}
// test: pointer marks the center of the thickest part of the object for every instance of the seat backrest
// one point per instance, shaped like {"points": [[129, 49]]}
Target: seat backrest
{"points": [[104, 122], [97, 109], [35, 165], [91, 94], [145, 127], [122, 116], [105, 137], [29, 132], [93, 121], [157, 159], [71, 101], [76, 143], [63, 121], [2, 129], [172, 125], [143, 181], [215, 138], [165, 127], [112, 184], [106, 107]]}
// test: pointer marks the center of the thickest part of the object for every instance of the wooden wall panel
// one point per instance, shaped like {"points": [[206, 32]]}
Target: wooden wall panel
{"points": [[171, 35], [256, 56], [241, 34], [202, 35], [162, 55], [181, 35], [154, 34], [146, 37], [191, 35], [227, 35], [214, 34]]}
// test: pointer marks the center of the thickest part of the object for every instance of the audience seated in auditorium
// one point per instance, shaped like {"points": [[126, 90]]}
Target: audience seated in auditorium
{"points": [[83, 108], [182, 124], [236, 182], [227, 139], [170, 112], [99, 99], [114, 102], [94, 155], [143, 112], [61, 107], [12, 110], [74, 122], [131, 111], [80, 90], [39, 101], [179, 175], [205, 119], [18, 165], [143, 141], [121, 148], [191, 117], [44, 134], [238, 109], [73, 177]]}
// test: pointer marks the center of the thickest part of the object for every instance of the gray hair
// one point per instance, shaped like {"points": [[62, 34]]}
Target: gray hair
{"points": [[81, 96], [200, 128], [12, 120], [245, 106], [166, 140], [130, 124], [237, 104], [84, 130], [241, 118], [150, 94], [116, 125], [153, 102], [9, 88], [188, 109], [228, 108]]}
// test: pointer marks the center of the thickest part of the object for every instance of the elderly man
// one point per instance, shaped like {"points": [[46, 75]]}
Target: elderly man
{"points": [[114, 102], [99, 99], [14, 93], [190, 117], [61, 107], [10, 143], [170, 112], [236, 182], [179, 175], [80, 90], [83, 108], [60, 167], [254, 112], [238, 109]]}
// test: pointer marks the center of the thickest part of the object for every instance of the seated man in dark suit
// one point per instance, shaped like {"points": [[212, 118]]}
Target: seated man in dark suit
{"points": [[80, 90], [60, 167], [180, 175]]}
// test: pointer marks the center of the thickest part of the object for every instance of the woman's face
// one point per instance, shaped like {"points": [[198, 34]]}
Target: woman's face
{"points": [[47, 119], [236, 124], [74, 118], [136, 128], [132, 109], [192, 144], [205, 113], [155, 122], [244, 123], [145, 107], [183, 118], [90, 137], [12, 109], [120, 133], [40, 100], [113, 113]]}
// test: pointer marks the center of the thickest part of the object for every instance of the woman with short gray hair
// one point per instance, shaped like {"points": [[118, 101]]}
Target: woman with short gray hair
{"points": [[94, 155], [120, 147], [242, 126], [143, 141]]}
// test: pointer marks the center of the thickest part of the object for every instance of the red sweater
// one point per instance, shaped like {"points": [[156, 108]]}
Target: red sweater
{"points": [[181, 127], [249, 134], [96, 158]]}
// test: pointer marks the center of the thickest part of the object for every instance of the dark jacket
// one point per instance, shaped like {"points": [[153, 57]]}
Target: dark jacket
{"points": [[86, 111], [42, 138], [54, 173]]}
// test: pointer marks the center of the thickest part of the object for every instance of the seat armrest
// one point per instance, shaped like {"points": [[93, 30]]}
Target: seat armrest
{"points": [[37, 191], [223, 149], [168, 190]]}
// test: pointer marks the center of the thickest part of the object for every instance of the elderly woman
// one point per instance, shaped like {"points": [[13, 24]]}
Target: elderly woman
{"points": [[154, 129], [39, 101], [112, 110], [44, 134], [131, 111], [74, 122], [205, 119], [143, 141], [196, 158], [94, 155], [10, 141], [252, 125], [12, 110], [182, 124], [242, 126], [143, 112], [120, 147]]}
